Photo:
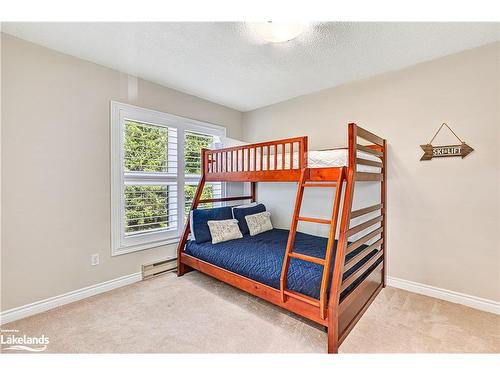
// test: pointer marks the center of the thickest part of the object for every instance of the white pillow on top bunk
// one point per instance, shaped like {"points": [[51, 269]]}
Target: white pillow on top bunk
{"points": [[226, 142], [224, 230], [259, 223]]}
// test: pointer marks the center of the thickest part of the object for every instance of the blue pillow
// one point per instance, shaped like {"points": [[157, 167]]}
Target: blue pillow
{"points": [[240, 213], [201, 216]]}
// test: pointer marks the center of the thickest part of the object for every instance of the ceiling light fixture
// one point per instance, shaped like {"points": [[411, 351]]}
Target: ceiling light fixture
{"points": [[277, 32]]}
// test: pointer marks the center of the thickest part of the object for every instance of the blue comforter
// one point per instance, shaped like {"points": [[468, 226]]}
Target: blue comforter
{"points": [[260, 258]]}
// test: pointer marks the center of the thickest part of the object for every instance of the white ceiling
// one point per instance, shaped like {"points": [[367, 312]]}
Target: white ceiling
{"points": [[228, 64]]}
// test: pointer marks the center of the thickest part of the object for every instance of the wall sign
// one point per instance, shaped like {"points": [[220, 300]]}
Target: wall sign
{"points": [[431, 151]]}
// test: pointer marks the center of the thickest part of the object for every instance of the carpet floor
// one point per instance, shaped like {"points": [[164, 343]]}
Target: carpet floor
{"points": [[198, 314]]}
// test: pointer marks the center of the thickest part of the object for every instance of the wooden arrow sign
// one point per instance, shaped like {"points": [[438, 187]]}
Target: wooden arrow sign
{"points": [[431, 151]]}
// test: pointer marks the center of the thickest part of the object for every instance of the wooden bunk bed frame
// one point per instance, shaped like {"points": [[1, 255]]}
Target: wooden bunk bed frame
{"points": [[246, 164]]}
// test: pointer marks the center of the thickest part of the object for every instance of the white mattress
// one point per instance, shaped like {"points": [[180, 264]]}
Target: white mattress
{"points": [[338, 158]]}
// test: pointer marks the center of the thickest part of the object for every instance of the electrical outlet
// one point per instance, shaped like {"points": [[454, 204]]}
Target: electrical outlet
{"points": [[94, 259]]}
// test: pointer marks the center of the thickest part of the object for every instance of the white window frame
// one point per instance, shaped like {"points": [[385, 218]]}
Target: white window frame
{"points": [[121, 244]]}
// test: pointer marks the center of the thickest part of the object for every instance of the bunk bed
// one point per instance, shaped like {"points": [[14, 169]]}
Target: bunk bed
{"points": [[327, 280]]}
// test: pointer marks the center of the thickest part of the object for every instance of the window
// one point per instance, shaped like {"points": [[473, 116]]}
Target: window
{"points": [[152, 186], [194, 142]]}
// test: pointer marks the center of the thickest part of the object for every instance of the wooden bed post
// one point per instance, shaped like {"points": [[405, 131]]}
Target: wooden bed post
{"points": [[383, 201], [338, 270], [181, 267], [253, 191]]}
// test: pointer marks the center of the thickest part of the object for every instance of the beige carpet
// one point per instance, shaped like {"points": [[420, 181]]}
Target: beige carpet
{"points": [[196, 313]]}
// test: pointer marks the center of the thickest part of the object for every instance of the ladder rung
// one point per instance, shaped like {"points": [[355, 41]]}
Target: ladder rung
{"points": [[366, 210], [369, 150], [369, 162], [354, 245], [319, 185], [368, 176], [302, 297], [355, 275], [308, 258], [314, 220], [355, 259], [367, 224]]}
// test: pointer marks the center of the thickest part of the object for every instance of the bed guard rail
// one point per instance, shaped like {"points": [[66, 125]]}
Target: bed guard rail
{"points": [[279, 160]]}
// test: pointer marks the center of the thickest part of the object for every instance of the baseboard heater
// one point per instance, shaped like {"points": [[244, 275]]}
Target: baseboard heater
{"points": [[158, 268]]}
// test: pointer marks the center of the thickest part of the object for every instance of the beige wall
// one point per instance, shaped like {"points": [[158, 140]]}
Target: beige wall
{"points": [[56, 168], [443, 215]]}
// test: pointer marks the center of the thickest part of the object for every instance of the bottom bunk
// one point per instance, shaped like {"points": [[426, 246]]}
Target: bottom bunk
{"points": [[253, 264], [260, 258]]}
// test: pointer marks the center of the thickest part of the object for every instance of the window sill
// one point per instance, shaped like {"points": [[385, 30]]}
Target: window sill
{"points": [[134, 248]]}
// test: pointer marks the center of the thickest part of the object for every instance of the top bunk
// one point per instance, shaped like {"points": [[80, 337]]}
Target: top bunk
{"points": [[283, 160]]}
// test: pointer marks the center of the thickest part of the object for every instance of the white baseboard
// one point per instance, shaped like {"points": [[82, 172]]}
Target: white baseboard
{"points": [[447, 295], [63, 299]]}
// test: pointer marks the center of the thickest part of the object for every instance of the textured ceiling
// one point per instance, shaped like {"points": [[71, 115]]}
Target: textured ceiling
{"points": [[228, 64]]}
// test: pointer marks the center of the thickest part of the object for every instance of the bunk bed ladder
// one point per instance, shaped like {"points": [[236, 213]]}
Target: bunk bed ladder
{"points": [[326, 262]]}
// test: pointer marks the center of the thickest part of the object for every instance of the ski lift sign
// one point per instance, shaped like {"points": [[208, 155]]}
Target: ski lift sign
{"points": [[431, 151]]}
